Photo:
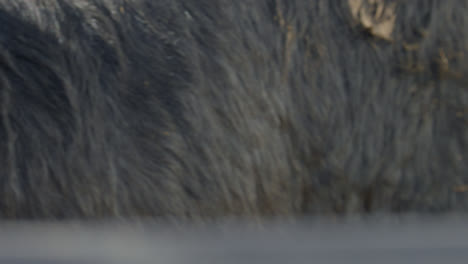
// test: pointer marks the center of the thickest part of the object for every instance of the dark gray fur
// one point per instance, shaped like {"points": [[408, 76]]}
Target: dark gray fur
{"points": [[203, 108]]}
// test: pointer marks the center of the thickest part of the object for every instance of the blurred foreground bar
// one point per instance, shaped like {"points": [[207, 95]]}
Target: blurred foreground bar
{"points": [[364, 241]]}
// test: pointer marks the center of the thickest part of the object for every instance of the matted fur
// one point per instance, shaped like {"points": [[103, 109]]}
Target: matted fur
{"points": [[203, 108]]}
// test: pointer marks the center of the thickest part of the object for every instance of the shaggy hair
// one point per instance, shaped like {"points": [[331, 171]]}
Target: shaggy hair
{"points": [[200, 108]]}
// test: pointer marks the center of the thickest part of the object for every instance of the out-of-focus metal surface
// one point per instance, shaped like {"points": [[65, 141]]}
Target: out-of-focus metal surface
{"points": [[383, 241]]}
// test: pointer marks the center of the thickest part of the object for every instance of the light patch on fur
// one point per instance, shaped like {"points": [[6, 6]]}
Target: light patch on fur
{"points": [[376, 16]]}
